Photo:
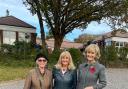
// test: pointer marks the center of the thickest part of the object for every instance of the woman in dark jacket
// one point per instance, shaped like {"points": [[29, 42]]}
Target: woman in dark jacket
{"points": [[91, 74], [64, 73]]}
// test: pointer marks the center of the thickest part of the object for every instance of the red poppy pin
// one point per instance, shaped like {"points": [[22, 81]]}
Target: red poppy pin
{"points": [[92, 69]]}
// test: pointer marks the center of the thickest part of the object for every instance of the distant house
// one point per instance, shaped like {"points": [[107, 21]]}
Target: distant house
{"points": [[13, 29], [65, 44], [118, 38]]}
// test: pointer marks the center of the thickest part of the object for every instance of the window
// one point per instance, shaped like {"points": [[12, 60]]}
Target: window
{"points": [[9, 37], [24, 36], [119, 44], [21, 36], [108, 43]]}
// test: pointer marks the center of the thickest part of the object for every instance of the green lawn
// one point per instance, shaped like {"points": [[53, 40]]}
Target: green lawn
{"points": [[13, 73], [14, 69]]}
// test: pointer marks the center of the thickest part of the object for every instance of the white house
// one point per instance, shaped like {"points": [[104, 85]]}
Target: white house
{"points": [[117, 37], [13, 29]]}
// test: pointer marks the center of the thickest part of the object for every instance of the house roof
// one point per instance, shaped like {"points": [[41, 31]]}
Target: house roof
{"points": [[13, 21], [118, 33], [65, 44]]}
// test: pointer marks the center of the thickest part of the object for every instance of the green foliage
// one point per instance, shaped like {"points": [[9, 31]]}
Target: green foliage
{"points": [[20, 49], [53, 58], [11, 61], [112, 53], [114, 57], [13, 64], [122, 53], [109, 53], [6, 48], [76, 56]]}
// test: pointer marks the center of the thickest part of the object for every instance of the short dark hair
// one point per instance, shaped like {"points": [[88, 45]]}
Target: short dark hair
{"points": [[41, 55]]}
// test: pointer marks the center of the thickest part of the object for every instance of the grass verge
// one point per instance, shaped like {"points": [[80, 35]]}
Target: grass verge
{"points": [[11, 73]]}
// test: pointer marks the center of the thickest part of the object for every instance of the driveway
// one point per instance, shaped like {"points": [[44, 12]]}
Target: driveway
{"points": [[12, 85], [116, 78]]}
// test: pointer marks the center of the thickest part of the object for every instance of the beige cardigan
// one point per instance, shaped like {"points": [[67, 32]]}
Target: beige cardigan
{"points": [[33, 80]]}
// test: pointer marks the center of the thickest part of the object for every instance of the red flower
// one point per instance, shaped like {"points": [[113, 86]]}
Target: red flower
{"points": [[92, 69]]}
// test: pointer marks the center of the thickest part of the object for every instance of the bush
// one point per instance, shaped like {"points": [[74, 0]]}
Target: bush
{"points": [[76, 56], [10, 61], [53, 58], [20, 54], [109, 53], [123, 52], [114, 57], [20, 50], [6, 48], [22, 47]]}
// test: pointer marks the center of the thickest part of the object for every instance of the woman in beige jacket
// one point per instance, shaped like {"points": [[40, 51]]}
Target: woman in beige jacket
{"points": [[39, 77]]}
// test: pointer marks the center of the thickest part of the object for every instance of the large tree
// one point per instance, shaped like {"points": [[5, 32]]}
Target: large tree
{"points": [[62, 16]]}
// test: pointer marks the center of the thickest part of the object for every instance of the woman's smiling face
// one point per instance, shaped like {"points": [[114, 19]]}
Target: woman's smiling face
{"points": [[65, 61], [42, 62], [91, 55]]}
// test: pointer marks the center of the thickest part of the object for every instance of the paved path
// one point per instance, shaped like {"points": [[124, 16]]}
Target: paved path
{"points": [[12, 85], [116, 78]]}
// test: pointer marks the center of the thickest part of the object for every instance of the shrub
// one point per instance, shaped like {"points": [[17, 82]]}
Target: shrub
{"points": [[9, 61], [22, 47], [6, 48], [21, 50], [76, 56], [110, 53], [53, 58], [123, 52]]}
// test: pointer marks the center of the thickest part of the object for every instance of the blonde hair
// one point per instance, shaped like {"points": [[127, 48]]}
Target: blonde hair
{"points": [[67, 54], [95, 48]]}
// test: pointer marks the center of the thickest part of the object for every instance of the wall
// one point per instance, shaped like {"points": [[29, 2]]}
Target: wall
{"points": [[19, 29], [10, 33]]}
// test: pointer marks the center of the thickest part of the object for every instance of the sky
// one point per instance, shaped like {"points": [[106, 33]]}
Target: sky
{"points": [[19, 10]]}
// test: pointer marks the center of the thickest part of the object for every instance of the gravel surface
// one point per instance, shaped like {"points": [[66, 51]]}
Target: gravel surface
{"points": [[116, 79], [12, 85]]}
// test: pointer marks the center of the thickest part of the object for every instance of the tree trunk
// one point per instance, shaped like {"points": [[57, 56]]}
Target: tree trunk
{"points": [[57, 43], [44, 48]]}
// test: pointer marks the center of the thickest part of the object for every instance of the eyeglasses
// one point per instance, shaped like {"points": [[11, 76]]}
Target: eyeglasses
{"points": [[40, 60]]}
